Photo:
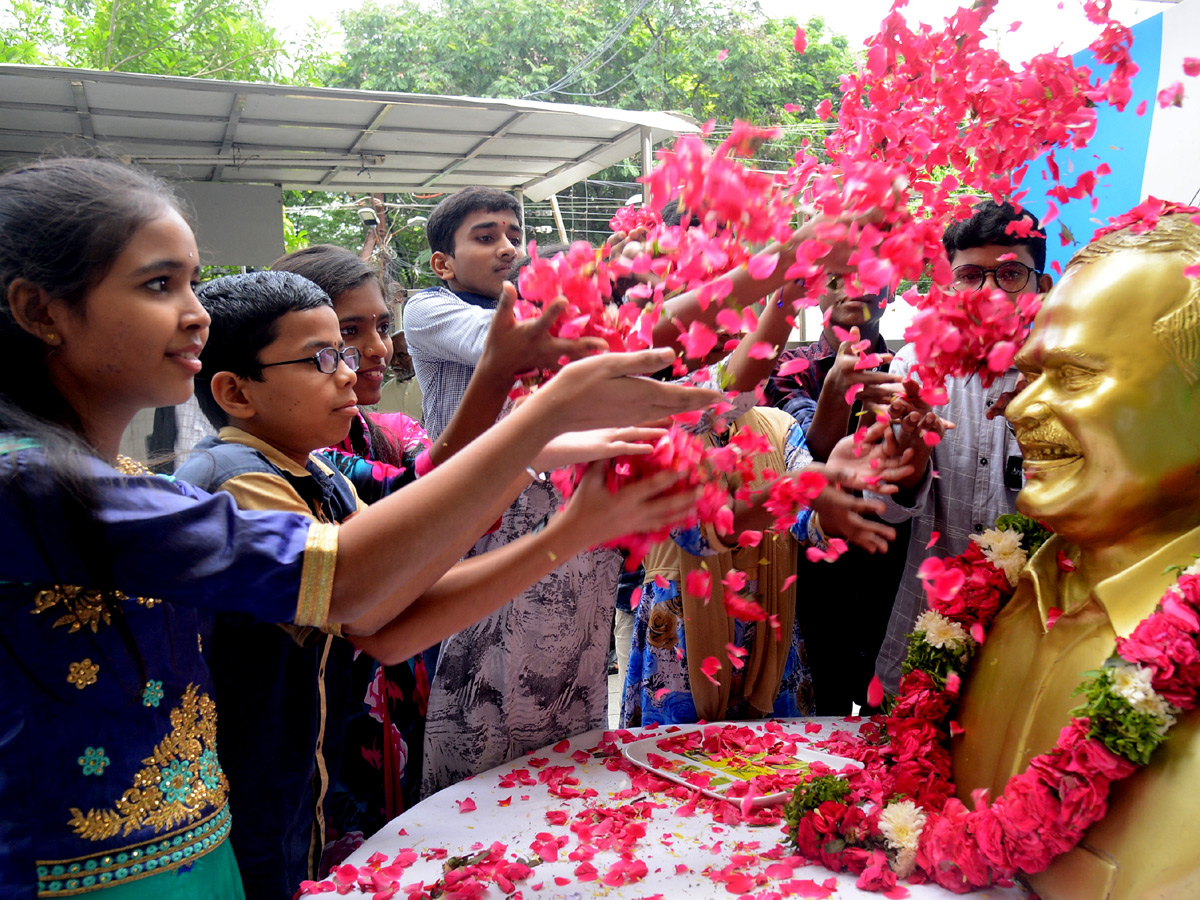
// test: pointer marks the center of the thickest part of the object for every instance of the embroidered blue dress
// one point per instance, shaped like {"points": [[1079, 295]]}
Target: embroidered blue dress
{"points": [[108, 757]]}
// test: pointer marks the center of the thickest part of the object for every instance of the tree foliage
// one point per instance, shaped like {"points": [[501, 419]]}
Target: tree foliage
{"points": [[226, 39], [699, 57]]}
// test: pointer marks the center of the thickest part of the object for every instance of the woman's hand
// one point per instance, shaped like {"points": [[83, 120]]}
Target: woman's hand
{"points": [[642, 506], [598, 392], [598, 443]]}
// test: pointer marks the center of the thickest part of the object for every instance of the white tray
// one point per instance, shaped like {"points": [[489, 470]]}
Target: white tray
{"points": [[640, 751]]}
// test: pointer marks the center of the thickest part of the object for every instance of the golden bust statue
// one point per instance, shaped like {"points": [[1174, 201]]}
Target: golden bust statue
{"points": [[1110, 429]]}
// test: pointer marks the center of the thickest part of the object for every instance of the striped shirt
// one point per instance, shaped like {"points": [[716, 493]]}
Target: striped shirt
{"points": [[963, 493], [446, 333]]}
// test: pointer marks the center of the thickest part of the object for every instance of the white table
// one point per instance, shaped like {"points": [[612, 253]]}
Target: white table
{"points": [[681, 853]]}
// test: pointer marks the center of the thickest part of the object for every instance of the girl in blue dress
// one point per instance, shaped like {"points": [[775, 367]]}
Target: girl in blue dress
{"points": [[109, 771]]}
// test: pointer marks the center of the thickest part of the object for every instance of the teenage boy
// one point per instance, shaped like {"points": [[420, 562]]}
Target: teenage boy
{"points": [[279, 384], [978, 464], [841, 664], [475, 235], [536, 670]]}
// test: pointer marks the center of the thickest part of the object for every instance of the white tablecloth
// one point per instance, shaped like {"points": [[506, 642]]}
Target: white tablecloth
{"points": [[677, 850]]}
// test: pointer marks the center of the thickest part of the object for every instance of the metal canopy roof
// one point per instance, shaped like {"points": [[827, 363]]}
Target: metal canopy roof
{"points": [[327, 139]]}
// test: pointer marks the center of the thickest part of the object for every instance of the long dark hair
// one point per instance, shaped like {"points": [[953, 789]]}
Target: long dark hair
{"points": [[336, 270], [63, 223]]}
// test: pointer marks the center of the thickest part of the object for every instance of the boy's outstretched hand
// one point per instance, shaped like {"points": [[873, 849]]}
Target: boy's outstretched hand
{"points": [[641, 506], [598, 443], [876, 462], [598, 393], [514, 348]]}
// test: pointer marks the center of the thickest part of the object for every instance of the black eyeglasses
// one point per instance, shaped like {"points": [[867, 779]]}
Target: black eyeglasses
{"points": [[326, 360], [1011, 276]]}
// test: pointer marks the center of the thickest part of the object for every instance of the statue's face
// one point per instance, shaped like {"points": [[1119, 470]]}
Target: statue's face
{"points": [[1109, 426]]}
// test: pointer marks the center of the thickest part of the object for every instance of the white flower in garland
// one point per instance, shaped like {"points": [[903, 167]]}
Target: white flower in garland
{"points": [[1004, 551], [900, 823], [941, 632], [1135, 685]]}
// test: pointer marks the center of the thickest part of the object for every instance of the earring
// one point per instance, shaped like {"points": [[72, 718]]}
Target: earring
{"points": [[51, 338]]}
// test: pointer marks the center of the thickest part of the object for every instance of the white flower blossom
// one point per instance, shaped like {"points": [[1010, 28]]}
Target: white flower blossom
{"points": [[1193, 569], [941, 632], [900, 823], [1004, 551], [1135, 685]]}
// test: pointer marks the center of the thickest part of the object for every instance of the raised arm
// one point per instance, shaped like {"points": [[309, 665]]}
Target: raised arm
{"points": [[395, 550], [744, 288], [476, 587], [510, 349]]}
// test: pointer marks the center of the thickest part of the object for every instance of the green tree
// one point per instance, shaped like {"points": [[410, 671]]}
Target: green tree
{"points": [[226, 39], [708, 59], [699, 57]]}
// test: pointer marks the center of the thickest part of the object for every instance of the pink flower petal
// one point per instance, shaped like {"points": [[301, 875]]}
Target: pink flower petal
{"points": [[875, 691], [800, 41], [710, 667], [466, 806], [763, 350], [699, 583], [762, 265], [792, 366], [1171, 95], [737, 656]]}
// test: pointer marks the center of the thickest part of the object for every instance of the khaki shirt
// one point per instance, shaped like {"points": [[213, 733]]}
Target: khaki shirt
{"points": [[1020, 695]]}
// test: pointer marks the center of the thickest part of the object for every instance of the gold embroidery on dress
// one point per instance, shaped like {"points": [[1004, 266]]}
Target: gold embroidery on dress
{"points": [[83, 673], [128, 466], [182, 780], [83, 608]]}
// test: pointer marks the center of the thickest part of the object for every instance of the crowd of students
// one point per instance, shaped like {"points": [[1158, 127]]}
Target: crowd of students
{"points": [[375, 610]]}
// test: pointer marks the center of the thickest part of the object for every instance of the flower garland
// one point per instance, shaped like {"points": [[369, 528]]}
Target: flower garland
{"points": [[898, 817]]}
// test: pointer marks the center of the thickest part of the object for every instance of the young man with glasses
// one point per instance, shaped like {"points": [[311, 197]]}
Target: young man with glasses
{"points": [[973, 476]]}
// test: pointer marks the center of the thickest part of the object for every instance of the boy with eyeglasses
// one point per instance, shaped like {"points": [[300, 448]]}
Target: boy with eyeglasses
{"points": [[278, 383], [974, 475]]}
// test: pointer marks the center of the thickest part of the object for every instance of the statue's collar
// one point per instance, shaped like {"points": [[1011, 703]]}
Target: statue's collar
{"points": [[1127, 597]]}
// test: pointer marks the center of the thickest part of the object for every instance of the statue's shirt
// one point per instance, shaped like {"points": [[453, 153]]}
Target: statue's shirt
{"points": [[1020, 695]]}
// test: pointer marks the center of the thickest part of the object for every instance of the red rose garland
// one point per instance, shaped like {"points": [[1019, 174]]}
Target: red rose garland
{"points": [[858, 822]]}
